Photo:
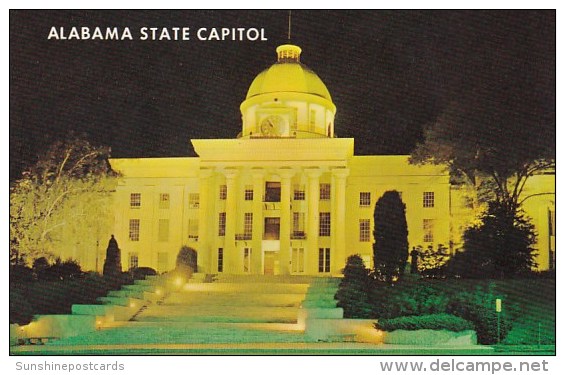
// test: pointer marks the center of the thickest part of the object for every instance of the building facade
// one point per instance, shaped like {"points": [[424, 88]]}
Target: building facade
{"points": [[286, 196]]}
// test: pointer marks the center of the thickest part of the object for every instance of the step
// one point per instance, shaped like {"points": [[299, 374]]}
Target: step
{"points": [[283, 288], [125, 293], [196, 299], [220, 314], [264, 279]]}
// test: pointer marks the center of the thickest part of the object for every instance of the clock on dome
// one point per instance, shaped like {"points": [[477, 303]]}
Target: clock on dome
{"points": [[274, 126]]}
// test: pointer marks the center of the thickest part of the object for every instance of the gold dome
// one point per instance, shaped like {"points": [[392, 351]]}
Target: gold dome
{"points": [[289, 75]]}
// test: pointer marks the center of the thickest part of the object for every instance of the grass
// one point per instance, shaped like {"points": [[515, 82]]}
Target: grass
{"points": [[530, 303]]}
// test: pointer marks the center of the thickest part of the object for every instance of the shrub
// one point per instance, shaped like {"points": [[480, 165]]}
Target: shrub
{"points": [[435, 322], [187, 262], [20, 273], [479, 308], [21, 311], [404, 299], [352, 294], [433, 261], [140, 273]]}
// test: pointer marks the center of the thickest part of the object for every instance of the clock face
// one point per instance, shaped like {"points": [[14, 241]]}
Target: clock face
{"points": [[272, 125]]}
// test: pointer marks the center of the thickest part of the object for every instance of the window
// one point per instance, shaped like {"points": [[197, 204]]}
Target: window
{"points": [[247, 260], [220, 260], [365, 199], [134, 229], [298, 226], [135, 200], [428, 226], [325, 191], [312, 120], [222, 224], [164, 200], [299, 193], [193, 228], [272, 228], [248, 193], [248, 225], [223, 192], [325, 224], [162, 261], [428, 199], [273, 192], [297, 260], [133, 260], [324, 260], [193, 200], [364, 230], [163, 233]]}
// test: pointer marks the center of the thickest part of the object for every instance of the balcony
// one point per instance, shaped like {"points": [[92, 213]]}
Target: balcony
{"points": [[243, 237], [298, 235]]}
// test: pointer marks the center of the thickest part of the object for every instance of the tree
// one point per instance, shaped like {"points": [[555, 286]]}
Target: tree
{"points": [[502, 245], [390, 249], [353, 291], [61, 204], [113, 261], [494, 137]]}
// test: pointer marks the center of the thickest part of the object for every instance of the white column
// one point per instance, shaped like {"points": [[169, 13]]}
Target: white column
{"points": [[256, 254], [313, 197], [284, 252], [204, 236], [230, 255], [338, 219]]}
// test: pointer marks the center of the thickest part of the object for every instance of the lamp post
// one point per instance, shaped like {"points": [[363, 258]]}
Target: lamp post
{"points": [[498, 311]]}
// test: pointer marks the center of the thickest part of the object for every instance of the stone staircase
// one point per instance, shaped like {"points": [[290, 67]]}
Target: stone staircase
{"points": [[229, 309]]}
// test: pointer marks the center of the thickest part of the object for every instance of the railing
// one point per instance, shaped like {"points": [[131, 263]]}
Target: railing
{"points": [[298, 235], [243, 237]]}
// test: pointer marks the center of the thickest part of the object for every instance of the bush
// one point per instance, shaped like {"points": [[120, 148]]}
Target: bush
{"points": [[352, 294], [20, 273], [433, 261], [435, 322], [140, 273], [479, 308], [21, 311], [187, 262], [404, 299]]}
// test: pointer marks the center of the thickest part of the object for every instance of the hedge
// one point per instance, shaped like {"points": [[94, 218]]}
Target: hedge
{"points": [[433, 321]]}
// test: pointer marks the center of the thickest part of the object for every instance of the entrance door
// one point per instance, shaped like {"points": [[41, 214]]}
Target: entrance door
{"points": [[269, 262]]}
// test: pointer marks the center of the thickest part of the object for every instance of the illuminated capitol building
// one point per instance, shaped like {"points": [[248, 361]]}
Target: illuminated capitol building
{"points": [[286, 196]]}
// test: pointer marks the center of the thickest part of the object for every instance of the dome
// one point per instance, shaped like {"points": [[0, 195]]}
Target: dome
{"points": [[288, 74], [287, 100]]}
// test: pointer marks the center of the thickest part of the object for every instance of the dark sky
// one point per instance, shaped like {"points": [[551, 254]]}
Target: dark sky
{"points": [[389, 72]]}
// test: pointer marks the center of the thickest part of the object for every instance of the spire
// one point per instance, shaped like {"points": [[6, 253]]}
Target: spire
{"points": [[289, 23]]}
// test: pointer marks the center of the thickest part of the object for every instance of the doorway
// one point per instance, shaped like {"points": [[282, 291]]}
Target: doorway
{"points": [[270, 262]]}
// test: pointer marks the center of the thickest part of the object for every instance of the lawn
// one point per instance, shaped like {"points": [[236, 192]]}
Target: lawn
{"points": [[530, 303]]}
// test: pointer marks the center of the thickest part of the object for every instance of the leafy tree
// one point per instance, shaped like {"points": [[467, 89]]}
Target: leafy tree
{"points": [[493, 140], [353, 291], [433, 261], [502, 245], [61, 204], [390, 249]]}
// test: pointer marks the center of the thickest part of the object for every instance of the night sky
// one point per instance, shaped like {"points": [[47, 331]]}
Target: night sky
{"points": [[390, 73]]}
